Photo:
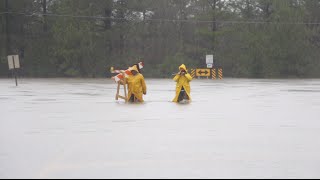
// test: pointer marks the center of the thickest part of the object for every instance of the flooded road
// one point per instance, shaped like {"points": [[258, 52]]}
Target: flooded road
{"points": [[234, 128]]}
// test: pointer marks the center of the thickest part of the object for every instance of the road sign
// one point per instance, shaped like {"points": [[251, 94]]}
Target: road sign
{"points": [[210, 66], [209, 59], [13, 61], [203, 72]]}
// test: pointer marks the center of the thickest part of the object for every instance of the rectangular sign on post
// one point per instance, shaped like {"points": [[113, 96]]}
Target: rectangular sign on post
{"points": [[209, 59], [13, 62], [10, 62], [16, 61], [210, 66]]}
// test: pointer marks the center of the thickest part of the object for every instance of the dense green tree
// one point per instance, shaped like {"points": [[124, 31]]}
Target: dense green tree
{"points": [[83, 38]]}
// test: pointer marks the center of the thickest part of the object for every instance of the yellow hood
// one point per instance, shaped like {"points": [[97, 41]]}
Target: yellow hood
{"points": [[183, 67], [134, 68]]}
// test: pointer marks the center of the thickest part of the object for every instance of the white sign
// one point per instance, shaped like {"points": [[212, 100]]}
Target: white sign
{"points": [[10, 62], [13, 62], [210, 66], [209, 59]]}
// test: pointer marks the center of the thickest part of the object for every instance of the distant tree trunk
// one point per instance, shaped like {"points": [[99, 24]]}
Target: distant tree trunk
{"points": [[122, 22], [144, 15], [45, 24], [214, 18], [7, 46], [268, 11], [143, 45], [107, 21], [122, 45], [182, 26], [108, 24], [214, 24], [107, 15]]}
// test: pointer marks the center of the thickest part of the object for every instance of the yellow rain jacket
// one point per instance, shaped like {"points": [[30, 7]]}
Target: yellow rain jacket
{"points": [[182, 81], [136, 85]]}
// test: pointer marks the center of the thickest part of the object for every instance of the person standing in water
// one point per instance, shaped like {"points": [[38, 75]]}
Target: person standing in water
{"points": [[136, 85], [183, 79]]}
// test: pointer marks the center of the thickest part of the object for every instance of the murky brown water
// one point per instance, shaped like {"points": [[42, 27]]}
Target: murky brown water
{"points": [[234, 128]]}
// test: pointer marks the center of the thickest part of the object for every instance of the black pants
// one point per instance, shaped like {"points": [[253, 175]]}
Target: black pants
{"points": [[183, 95], [132, 98]]}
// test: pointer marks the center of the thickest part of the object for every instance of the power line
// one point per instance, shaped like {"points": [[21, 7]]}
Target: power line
{"points": [[164, 20]]}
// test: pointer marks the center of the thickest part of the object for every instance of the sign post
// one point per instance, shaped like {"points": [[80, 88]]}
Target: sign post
{"points": [[14, 63]]}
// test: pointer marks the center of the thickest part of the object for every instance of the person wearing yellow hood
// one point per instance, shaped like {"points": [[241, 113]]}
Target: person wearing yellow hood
{"points": [[136, 85], [183, 79]]}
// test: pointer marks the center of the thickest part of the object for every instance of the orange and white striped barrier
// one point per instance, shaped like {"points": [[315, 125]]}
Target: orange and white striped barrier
{"points": [[123, 73], [121, 81]]}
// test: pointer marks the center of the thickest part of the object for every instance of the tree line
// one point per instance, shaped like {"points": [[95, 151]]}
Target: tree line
{"points": [[84, 38]]}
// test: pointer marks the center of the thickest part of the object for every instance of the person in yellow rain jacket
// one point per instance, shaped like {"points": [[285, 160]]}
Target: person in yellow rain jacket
{"points": [[183, 79], [136, 85]]}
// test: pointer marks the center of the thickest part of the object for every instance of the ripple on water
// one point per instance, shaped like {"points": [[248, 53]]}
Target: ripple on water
{"points": [[304, 90]]}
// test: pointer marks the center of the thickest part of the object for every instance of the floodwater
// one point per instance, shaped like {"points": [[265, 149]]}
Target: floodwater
{"points": [[234, 128]]}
